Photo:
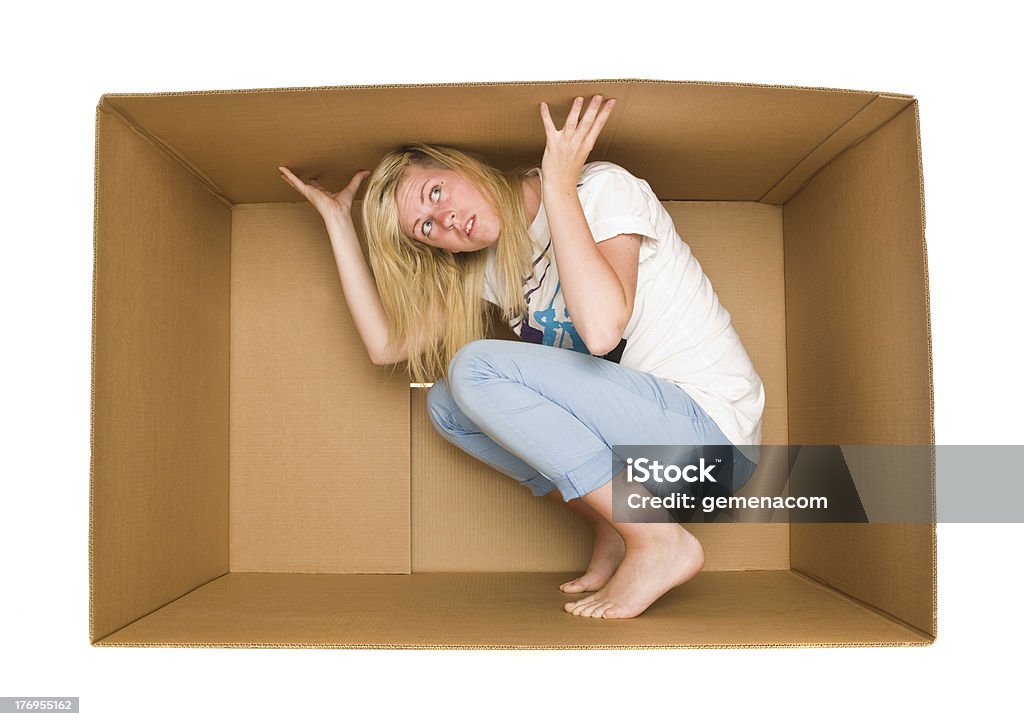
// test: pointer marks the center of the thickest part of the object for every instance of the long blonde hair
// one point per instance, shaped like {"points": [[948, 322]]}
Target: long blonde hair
{"points": [[419, 283]]}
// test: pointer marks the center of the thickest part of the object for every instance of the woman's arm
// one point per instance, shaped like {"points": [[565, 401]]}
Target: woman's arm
{"points": [[357, 282], [598, 281], [361, 293]]}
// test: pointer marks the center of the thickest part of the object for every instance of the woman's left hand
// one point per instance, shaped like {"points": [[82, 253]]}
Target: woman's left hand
{"points": [[567, 149]]}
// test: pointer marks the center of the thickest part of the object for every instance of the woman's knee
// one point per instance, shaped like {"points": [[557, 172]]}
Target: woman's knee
{"points": [[474, 361], [441, 406]]}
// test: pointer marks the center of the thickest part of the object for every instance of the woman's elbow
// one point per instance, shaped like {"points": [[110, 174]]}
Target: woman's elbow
{"points": [[384, 358], [605, 342]]}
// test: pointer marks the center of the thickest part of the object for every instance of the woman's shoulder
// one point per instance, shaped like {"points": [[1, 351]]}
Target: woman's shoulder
{"points": [[601, 180], [600, 177], [598, 169]]}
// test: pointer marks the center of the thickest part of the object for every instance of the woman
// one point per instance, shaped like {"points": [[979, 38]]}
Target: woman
{"points": [[584, 259]]}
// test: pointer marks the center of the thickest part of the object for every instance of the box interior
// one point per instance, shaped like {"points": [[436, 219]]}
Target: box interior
{"points": [[257, 481]]}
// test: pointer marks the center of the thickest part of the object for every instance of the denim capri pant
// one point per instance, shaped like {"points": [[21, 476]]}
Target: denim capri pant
{"points": [[547, 417]]}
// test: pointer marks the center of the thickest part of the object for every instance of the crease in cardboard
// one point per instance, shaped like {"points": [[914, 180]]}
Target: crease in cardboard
{"points": [[831, 147], [167, 150], [878, 612], [614, 130], [811, 153], [98, 640]]}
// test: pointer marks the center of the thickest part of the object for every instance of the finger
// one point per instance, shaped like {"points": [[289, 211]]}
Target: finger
{"points": [[286, 174], [599, 122], [291, 178], [588, 117], [574, 114], [357, 180], [545, 115]]}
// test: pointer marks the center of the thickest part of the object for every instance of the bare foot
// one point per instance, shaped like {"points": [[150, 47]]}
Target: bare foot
{"points": [[667, 557], [608, 552]]}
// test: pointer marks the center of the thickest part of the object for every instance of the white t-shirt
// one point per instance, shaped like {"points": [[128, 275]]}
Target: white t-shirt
{"points": [[678, 331]]}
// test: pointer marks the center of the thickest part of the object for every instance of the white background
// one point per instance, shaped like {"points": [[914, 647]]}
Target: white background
{"points": [[57, 61]]}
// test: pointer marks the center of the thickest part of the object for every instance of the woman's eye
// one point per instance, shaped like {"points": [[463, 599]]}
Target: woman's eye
{"points": [[425, 229]]}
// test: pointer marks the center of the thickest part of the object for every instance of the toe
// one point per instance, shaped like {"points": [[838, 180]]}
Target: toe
{"points": [[585, 601], [599, 612], [571, 586], [619, 612], [575, 607], [590, 610], [572, 607]]}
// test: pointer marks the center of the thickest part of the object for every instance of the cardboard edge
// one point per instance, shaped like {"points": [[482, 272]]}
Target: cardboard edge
{"points": [[872, 116], [931, 367], [231, 368], [92, 371], [557, 82], [164, 148], [495, 647]]}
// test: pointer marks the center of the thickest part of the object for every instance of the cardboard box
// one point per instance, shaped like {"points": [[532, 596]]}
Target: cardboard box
{"points": [[257, 482]]}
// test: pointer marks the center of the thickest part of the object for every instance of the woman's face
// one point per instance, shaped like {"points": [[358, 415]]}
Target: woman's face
{"points": [[440, 208]]}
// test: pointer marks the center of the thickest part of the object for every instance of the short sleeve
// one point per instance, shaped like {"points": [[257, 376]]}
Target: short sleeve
{"points": [[615, 202], [488, 292], [488, 288]]}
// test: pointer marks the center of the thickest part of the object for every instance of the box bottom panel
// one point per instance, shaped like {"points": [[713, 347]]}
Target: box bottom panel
{"points": [[762, 608]]}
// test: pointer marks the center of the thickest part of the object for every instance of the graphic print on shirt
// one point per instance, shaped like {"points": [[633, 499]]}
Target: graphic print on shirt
{"points": [[522, 327], [558, 330], [553, 326]]}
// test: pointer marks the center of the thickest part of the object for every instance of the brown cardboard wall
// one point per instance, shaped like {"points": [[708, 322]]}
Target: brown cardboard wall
{"points": [[859, 367], [505, 610], [160, 423], [319, 435], [467, 517], [856, 306], [728, 142]]}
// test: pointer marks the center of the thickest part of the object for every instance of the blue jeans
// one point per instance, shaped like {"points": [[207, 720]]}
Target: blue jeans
{"points": [[547, 417]]}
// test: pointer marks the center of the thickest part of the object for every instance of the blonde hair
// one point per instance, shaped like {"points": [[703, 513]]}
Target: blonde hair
{"points": [[419, 283]]}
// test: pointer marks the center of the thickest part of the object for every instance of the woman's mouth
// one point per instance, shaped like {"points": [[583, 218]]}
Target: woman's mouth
{"points": [[468, 229]]}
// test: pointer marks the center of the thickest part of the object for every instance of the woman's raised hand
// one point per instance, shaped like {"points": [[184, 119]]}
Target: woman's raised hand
{"points": [[331, 205], [566, 150]]}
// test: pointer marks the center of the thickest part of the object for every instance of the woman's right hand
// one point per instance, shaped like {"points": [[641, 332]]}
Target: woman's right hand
{"points": [[331, 205]]}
